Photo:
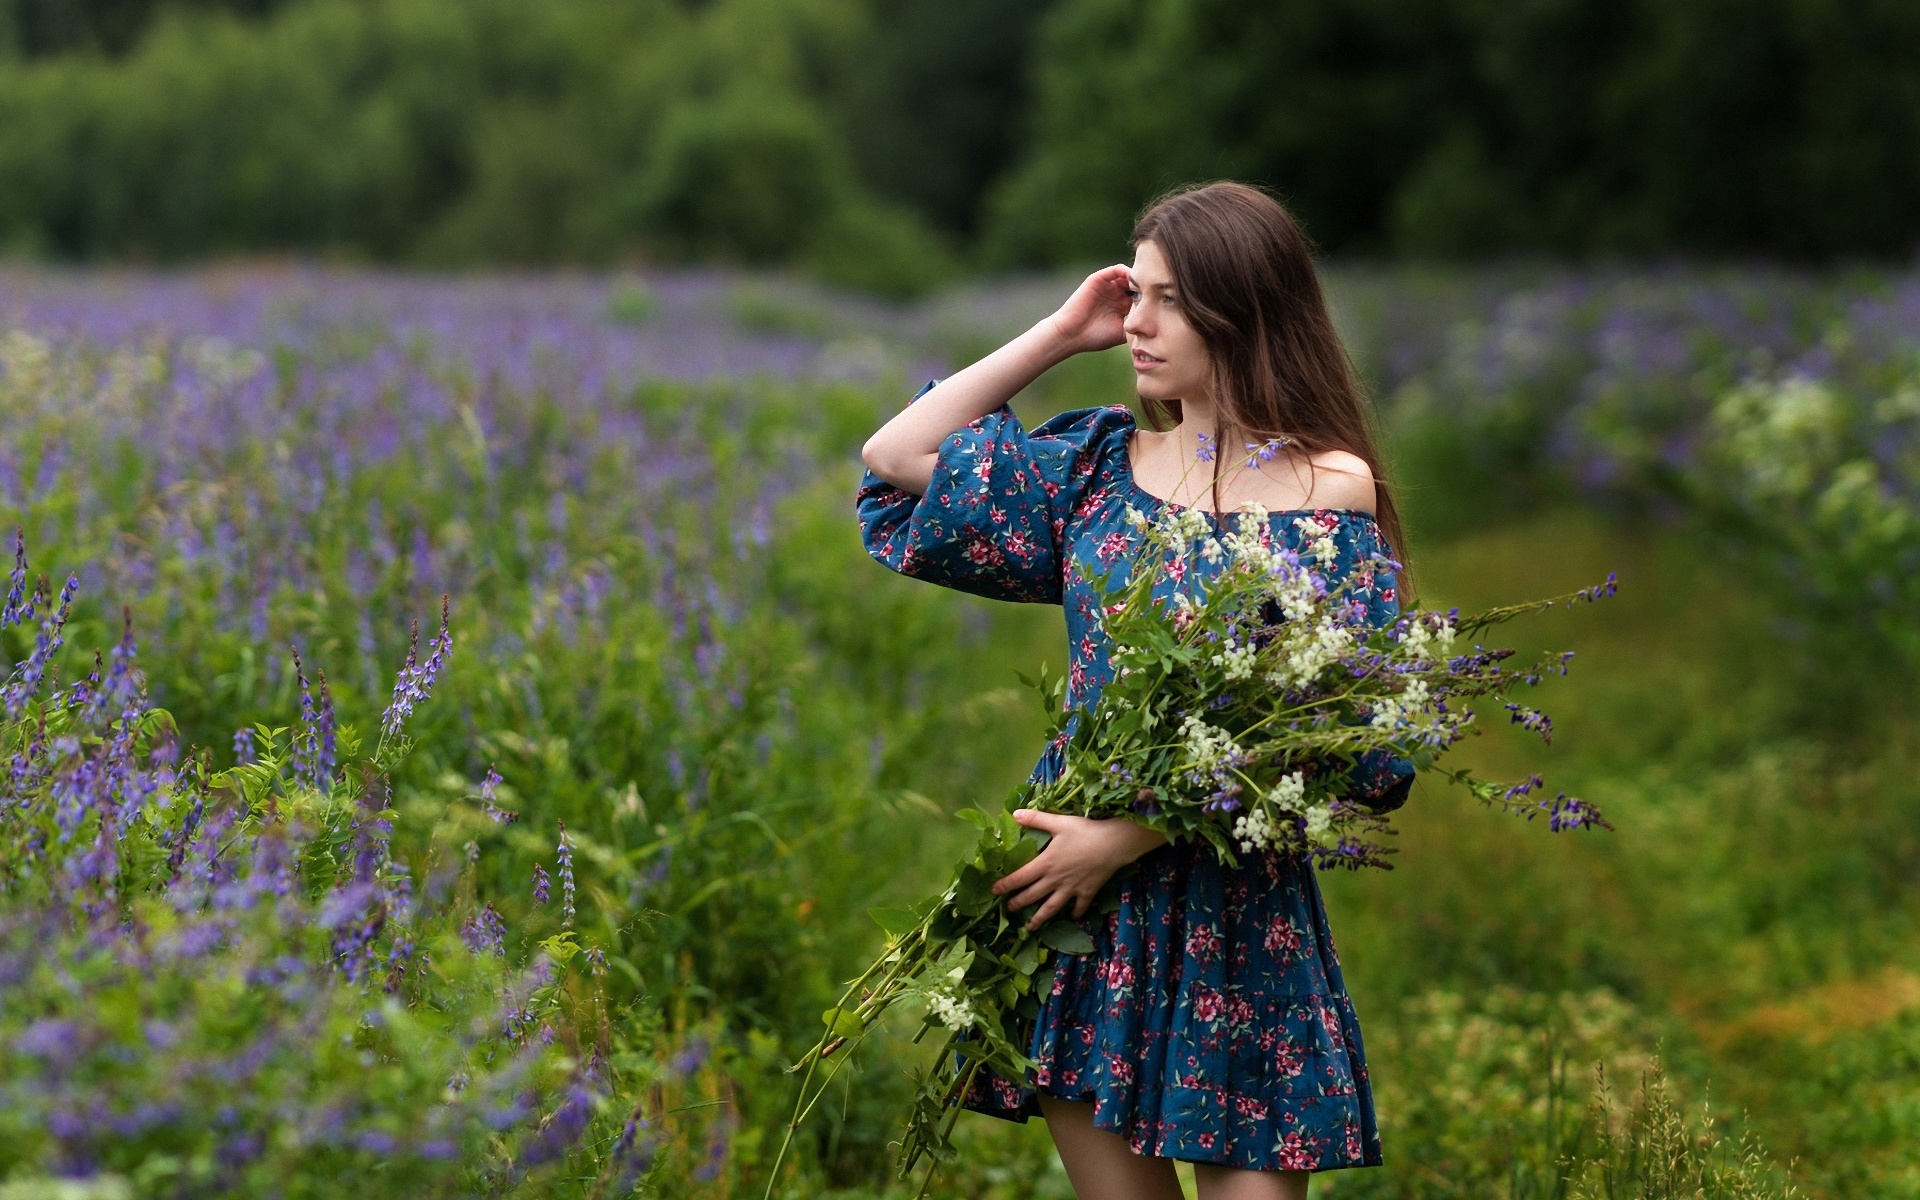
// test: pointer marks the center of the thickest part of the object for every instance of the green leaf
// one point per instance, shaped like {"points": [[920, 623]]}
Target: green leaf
{"points": [[1066, 937], [898, 922], [841, 1022], [1026, 959]]}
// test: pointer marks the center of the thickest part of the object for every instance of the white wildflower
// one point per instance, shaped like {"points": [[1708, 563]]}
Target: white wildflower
{"points": [[1235, 660], [1392, 711], [1289, 792], [1211, 550], [1319, 538], [1255, 830], [1207, 746], [1427, 639], [952, 1011]]}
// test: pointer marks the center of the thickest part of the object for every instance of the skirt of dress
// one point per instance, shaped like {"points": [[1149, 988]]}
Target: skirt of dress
{"points": [[1209, 1024]]}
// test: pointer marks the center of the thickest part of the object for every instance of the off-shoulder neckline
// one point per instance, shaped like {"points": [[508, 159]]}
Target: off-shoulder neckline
{"points": [[1133, 485]]}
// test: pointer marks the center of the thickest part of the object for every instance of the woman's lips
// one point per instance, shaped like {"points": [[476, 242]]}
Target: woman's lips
{"points": [[1142, 361]]}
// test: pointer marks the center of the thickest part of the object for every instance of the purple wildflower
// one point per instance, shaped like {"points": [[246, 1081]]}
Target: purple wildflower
{"points": [[489, 789], [326, 750], [1264, 452], [540, 884], [31, 673], [1571, 812], [1205, 451], [1532, 719], [565, 854], [416, 679], [20, 602], [304, 735], [485, 931], [559, 1133], [632, 1155], [401, 706]]}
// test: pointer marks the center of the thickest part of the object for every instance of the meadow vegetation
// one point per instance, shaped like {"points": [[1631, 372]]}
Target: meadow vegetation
{"points": [[679, 694]]}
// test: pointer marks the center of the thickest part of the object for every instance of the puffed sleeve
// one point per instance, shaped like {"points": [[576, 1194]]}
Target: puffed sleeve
{"points": [[994, 519], [1379, 780]]}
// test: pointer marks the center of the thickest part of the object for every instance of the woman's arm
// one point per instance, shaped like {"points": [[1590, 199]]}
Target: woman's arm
{"points": [[903, 451]]}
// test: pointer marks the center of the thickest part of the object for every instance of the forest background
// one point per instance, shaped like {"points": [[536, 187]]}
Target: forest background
{"points": [[887, 143], [315, 311]]}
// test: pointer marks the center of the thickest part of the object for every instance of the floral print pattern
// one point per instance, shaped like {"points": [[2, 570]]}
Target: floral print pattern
{"points": [[1211, 1022]]}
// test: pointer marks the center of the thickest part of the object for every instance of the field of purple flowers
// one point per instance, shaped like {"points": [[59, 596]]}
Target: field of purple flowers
{"points": [[299, 892]]}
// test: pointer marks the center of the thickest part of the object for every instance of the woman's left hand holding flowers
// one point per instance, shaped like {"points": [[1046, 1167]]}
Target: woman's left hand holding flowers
{"points": [[1081, 856]]}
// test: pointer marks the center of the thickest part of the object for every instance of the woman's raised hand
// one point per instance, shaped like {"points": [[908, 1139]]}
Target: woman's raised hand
{"points": [[904, 450], [1093, 316]]}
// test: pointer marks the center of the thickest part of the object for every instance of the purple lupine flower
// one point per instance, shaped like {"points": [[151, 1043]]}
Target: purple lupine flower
{"points": [[416, 679], [596, 961], [565, 854], [326, 752], [27, 678], [562, 1130], [1264, 452], [691, 1058], [1205, 450], [1524, 787], [20, 602], [632, 1154], [718, 1147], [1532, 719], [540, 884], [243, 752], [120, 689], [1571, 812], [489, 789], [485, 931], [304, 738], [401, 706]]}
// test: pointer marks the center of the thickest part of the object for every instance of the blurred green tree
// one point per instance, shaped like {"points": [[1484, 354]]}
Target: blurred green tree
{"points": [[1459, 127], [456, 131], [937, 110]]}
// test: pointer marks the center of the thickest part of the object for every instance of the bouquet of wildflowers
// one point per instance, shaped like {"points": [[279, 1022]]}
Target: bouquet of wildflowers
{"points": [[1243, 713]]}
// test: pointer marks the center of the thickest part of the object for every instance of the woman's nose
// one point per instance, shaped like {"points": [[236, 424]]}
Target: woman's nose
{"points": [[1136, 318]]}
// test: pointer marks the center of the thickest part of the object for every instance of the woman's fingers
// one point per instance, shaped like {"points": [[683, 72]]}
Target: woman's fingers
{"points": [[1015, 880], [1032, 896], [1053, 905], [1048, 822]]}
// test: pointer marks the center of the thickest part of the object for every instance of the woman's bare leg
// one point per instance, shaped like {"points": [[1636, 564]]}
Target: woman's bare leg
{"points": [[1229, 1183], [1099, 1164]]}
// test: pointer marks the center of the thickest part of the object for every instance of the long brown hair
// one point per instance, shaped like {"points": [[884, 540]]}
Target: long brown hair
{"points": [[1247, 284]]}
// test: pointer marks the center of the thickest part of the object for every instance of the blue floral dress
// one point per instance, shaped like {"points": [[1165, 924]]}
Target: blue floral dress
{"points": [[1210, 1023]]}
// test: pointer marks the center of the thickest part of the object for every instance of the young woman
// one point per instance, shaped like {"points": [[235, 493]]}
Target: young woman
{"points": [[1211, 1023]]}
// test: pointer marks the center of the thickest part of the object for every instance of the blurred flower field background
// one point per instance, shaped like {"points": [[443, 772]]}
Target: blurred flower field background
{"points": [[298, 895]]}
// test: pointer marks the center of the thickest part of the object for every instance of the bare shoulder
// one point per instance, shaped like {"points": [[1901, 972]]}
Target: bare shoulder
{"points": [[1342, 479]]}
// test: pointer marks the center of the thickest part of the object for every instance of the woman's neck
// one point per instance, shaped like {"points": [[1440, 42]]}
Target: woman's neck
{"points": [[1198, 433]]}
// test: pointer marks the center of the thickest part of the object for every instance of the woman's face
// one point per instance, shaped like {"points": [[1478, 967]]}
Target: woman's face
{"points": [[1170, 362]]}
